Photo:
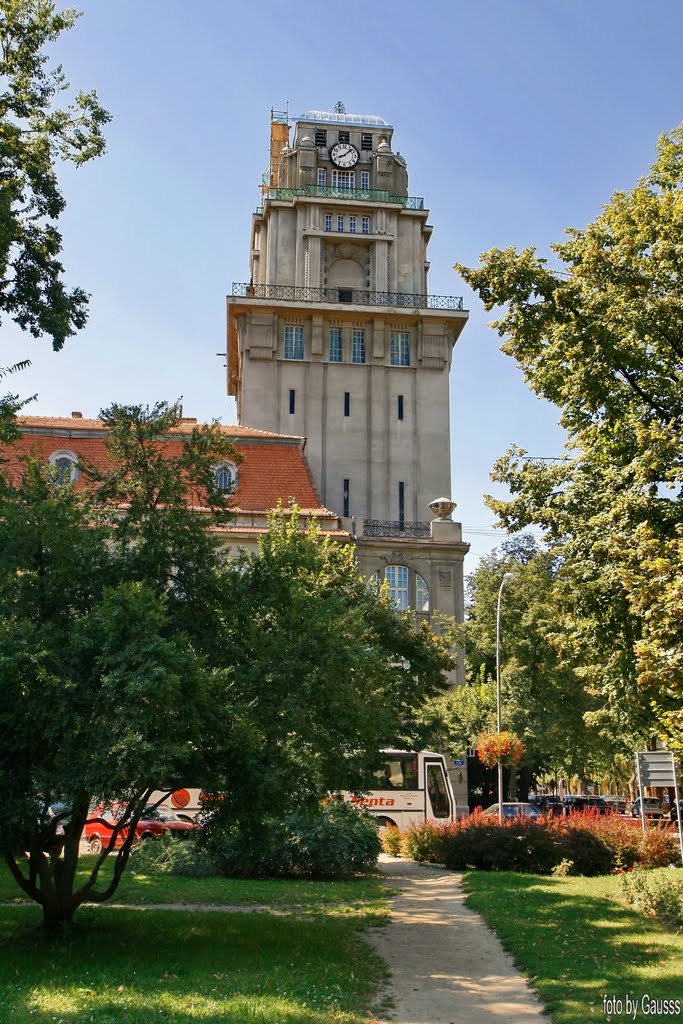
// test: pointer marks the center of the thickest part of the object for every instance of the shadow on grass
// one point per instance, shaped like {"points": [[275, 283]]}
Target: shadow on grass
{"points": [[576, 941], [132, 966]]}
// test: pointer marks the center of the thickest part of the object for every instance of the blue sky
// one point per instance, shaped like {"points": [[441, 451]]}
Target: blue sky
{"points": [[517, 118]]}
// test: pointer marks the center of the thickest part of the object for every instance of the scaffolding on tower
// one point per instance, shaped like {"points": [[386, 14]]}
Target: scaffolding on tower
{"points": [[279, 138]]}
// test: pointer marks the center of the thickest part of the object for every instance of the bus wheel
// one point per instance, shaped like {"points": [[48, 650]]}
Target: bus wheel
{"points": [[385, 823]]}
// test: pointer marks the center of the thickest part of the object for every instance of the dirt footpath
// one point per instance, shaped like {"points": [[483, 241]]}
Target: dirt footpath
{"points": [[447, 967]]}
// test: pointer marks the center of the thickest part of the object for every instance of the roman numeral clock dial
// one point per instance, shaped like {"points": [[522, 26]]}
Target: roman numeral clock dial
{"points": [[344, 155]]}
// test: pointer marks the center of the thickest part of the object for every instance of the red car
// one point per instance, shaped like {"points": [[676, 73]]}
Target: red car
{"points": [[179, 825], [98, 828]]}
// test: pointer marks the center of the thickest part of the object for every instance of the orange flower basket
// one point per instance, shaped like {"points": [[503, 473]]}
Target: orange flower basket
{"points": [[503, 747]]}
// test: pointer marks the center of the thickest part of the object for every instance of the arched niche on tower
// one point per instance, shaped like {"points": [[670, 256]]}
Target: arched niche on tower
{"points": [[346, 273]]}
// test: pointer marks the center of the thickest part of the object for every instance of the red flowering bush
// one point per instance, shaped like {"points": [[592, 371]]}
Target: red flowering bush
{"points": [[585, 843], [505, 747]]}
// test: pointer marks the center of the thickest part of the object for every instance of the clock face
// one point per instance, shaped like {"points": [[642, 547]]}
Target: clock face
{"points": [[344, 155]]}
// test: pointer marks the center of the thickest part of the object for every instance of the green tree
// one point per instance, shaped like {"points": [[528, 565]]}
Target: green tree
{"points": [[542, 698], [327, 672], [104, 694], [135, 655], [36, 133], [599, 334]]}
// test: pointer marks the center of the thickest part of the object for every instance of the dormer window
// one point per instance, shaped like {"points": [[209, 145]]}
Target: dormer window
{"points": [[65, 463]]}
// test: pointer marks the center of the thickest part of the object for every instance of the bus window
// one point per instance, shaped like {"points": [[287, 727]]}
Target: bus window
{"points": [[399, 772], [438, 793]]}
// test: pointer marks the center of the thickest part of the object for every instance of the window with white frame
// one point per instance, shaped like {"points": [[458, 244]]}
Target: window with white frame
{"points": [[365, 224], [225, 476], [340, 223], [65, 463], [322, 176], [400, 348], [335, 345], [407, 590], [328, 222], [352, 225], [294, 342], [365, 179], [358, 346], [343, 179]]}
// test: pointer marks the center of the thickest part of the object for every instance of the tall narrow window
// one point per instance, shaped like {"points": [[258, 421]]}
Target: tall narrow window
{"points": [[335, 345], [401, 505], [358, 347], [366, 225], [366, 141], [343, 137], [322, 176], [346, 499], [397, 578], [347, 403], [328, 222], [352, 225], [292, 400], [340, 223], [365, 179], [400, 407], [321, 136], [400, 348], [294, 342]]}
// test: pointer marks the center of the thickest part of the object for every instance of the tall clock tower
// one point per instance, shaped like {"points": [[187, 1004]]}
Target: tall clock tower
{"points": [[336, 338]]}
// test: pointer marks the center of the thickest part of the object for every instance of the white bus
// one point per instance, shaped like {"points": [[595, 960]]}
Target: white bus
{"points": [[412, 787]]}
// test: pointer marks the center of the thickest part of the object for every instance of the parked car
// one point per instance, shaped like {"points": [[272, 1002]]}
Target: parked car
{"points": [[548, 804], [675, 813], [98, 828], [617, 803], [514, 810], [180, 826], [583, 802], [650, 806]]}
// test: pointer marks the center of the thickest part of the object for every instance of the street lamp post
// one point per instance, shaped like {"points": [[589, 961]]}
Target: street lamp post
{"points": [[508, 576]]}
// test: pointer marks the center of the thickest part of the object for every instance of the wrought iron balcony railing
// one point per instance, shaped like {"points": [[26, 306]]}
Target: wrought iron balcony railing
{"points": [[363, 195], [293, 293], [387, 528]]}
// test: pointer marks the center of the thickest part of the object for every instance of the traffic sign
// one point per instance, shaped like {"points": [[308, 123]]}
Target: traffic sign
{"points": [[657, 768]]}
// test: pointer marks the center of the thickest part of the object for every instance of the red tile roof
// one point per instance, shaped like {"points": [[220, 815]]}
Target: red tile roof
{"points": [[274, 467]]}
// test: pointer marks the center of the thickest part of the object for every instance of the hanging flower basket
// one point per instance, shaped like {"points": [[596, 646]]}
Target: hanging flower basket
{"points": [[505, 747]]}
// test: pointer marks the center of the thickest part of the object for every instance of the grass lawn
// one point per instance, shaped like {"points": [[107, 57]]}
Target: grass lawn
{"points": [[576, 944], [126, 966], [307, 897]]}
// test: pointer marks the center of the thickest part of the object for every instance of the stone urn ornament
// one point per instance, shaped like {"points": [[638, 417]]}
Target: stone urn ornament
{"points": [[442, 507]]}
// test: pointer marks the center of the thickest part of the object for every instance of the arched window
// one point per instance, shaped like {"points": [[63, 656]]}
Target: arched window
{"points": [[66, 465], [225, 476], [407, 590]]}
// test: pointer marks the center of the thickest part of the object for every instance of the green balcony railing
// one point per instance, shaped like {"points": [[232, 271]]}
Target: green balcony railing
{"points": [[362, 195]]}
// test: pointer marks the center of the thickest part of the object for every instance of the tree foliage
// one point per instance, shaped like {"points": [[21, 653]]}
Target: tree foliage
{"points": [[135, 655], [326, 670], [543, 701], [35, 134], [599, 334]]}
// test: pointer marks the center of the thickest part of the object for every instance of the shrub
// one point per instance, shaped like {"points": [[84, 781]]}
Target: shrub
{"points": [[586, 843], [426, 842], [657, 894], [335, 840], [391, 841], [170, 856]]}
